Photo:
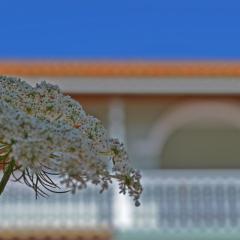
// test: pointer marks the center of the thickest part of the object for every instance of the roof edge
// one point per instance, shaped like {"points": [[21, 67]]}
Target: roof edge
{"points": [[35, 68]]}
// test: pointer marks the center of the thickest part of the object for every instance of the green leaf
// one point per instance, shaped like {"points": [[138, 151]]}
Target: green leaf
{"points": [[6, 175], [3, 157]]}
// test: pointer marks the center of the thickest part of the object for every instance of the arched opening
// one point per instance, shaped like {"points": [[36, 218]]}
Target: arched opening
{"points": [[200, 134], [204, 136], [202, 147]]}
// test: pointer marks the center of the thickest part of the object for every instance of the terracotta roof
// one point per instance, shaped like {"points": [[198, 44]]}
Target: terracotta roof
{"points": [[120, 69], [55, 235]]}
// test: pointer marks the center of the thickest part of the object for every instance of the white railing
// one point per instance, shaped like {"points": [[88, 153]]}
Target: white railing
{"points": [[179, 200], [189, 200], [86, 209]]}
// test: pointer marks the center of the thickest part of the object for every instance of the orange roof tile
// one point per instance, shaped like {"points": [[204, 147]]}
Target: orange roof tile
{"points": [[120, 69], [55, 235]]}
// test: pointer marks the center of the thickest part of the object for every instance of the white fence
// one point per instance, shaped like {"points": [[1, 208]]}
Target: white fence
{"points": [[179, 200], [19, 209], [190, 200]]}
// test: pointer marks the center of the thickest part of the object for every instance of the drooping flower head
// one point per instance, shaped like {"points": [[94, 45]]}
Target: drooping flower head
{"points": [[45, 132]]}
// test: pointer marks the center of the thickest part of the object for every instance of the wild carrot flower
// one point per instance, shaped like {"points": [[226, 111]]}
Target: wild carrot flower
{"points": [[44, 133]]}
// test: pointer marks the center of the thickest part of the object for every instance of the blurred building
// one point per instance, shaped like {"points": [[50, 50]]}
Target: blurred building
{"points": [[181, 126]]}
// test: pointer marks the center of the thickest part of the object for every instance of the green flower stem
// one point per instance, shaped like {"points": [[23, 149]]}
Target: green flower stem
{"points": [[6, 175]]}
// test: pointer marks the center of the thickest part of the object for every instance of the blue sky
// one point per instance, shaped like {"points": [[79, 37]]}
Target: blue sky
{"points": [[124, 29]]}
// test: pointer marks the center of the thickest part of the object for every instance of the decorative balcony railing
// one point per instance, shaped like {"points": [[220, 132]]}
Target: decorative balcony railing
{"points": [[190, 200], [172, 200], [86, 209]]}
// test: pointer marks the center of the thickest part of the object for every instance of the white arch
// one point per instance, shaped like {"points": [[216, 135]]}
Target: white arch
{"points": [[226, 113]]}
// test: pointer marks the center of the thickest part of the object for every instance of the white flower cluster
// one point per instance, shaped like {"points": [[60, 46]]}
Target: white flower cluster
{"points": [[46, 132]]}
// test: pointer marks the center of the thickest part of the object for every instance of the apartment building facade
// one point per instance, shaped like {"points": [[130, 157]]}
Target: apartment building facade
{"points": [[181, 125]]}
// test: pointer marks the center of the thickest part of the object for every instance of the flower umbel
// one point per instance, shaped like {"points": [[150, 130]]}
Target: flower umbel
{"points": [[45, 133]]}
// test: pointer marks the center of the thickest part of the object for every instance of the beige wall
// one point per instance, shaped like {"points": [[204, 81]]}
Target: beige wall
{"points": [[210, 140]]}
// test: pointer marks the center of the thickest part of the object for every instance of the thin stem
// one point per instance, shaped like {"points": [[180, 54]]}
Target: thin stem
{"points": [[6, 175]]}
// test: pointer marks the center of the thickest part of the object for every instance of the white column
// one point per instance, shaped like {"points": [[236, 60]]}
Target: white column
{"points": [[117, 129]]}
